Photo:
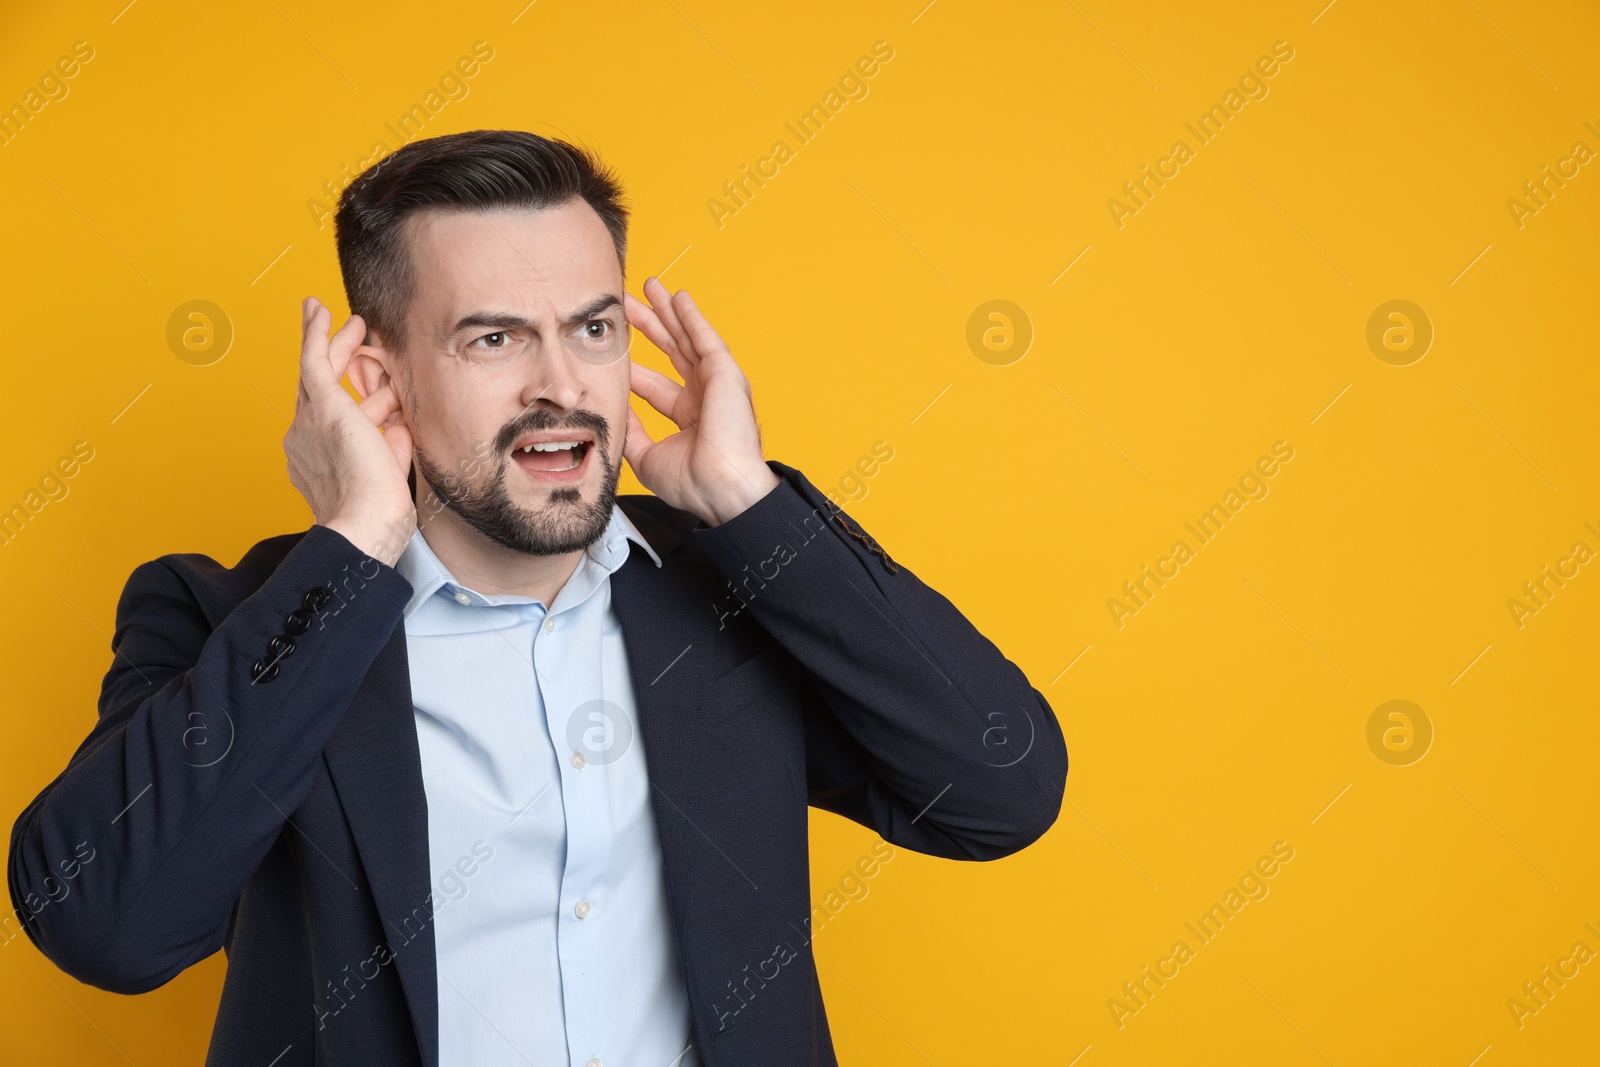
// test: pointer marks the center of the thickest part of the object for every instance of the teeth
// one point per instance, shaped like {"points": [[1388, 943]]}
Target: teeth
{"points": [[552, 446]]}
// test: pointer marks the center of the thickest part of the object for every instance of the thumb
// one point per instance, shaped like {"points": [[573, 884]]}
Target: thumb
{"points": [[636, 444], [398, 437]]}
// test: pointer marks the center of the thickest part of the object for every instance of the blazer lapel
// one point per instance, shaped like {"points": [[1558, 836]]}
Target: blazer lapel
{"points": [[377, 771], [668, 624]]}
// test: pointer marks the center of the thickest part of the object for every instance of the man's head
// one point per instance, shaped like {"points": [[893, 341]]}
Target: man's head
{"points": [[488, 267]]}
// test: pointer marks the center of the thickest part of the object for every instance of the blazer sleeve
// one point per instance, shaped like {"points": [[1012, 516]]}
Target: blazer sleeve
{"points": [[925, 731], [126, 868]]}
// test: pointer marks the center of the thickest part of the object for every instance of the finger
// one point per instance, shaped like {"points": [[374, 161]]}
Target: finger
{"points": [[667, 309], [316, 373], [661, 302], [636, 443], [649, 324], [661, 393], [344, 344], [706, 339], [398, 438], [300, 395], [382, 405]]}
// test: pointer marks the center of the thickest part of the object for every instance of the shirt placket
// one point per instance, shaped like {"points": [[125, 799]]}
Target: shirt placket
{"points": [[569, 675]]}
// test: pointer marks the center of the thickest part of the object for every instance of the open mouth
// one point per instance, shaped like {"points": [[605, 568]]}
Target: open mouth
{"points": [[554, 461]]}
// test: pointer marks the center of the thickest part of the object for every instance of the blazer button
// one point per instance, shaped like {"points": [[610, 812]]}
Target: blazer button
{"points": [[264, 673], [280, 647], [297, 622], [316, 598]]}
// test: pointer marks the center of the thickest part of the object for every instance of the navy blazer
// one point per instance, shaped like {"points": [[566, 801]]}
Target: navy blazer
{"points": [[253, 783]]}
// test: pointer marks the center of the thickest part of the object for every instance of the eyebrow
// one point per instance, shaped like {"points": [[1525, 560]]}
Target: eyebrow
{"points": [[507, 320]]}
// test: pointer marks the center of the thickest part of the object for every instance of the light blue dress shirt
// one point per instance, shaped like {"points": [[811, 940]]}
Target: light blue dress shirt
{"points": [[551, 930]]}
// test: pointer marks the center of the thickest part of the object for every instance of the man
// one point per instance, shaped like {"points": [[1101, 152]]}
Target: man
{"points": [[498, 767]]}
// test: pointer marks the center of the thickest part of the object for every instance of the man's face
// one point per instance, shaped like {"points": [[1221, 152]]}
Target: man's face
{"points": [[517, 337]]}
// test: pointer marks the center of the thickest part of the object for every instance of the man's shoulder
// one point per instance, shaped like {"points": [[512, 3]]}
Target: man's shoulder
{"points": [[663, 525], [258, 561], [211, 581], [675, 524]]}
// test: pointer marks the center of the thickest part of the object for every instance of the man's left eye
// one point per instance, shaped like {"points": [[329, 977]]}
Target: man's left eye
{"points": [[599, 324], [492, 343]]}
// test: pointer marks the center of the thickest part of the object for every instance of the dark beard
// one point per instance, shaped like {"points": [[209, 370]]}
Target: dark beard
{"points": [[566, 524]]}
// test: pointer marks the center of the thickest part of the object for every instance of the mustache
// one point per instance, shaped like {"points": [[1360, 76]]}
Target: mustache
{"points": [[538, 419]]}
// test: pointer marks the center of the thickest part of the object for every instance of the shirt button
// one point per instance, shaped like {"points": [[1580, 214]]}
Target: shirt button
{"points": [[462, 598], [594, 1061], [578, 761], [550, 627], [582, 912]]}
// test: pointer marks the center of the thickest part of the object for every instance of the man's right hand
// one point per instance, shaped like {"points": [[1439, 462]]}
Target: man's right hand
{"points": [[349, 460]]}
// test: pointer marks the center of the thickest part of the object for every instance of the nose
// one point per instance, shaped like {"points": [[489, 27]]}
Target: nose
{"points": [[555, 379]]}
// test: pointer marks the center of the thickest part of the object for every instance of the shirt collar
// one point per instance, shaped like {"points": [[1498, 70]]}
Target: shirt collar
{"points": [[428, 575]]}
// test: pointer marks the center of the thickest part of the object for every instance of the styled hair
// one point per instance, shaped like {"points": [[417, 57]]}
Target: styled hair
{"points": [[472, 171]]}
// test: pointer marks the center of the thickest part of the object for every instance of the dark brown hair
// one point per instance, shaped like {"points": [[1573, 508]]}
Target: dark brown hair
{"points": [[472, 171]]}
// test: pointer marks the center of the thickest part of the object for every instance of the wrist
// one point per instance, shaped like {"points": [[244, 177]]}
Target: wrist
{"points": [[383, 539], [740, 496]]}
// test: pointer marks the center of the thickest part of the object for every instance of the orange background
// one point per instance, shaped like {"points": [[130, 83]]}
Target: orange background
{"points": [[1229, 312]]}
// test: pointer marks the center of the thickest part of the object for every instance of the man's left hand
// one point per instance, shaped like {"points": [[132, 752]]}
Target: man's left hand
{"points": [[712, 467]]}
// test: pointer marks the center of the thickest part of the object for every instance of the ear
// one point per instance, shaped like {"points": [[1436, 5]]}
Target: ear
{"points": [[369, 367]]}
